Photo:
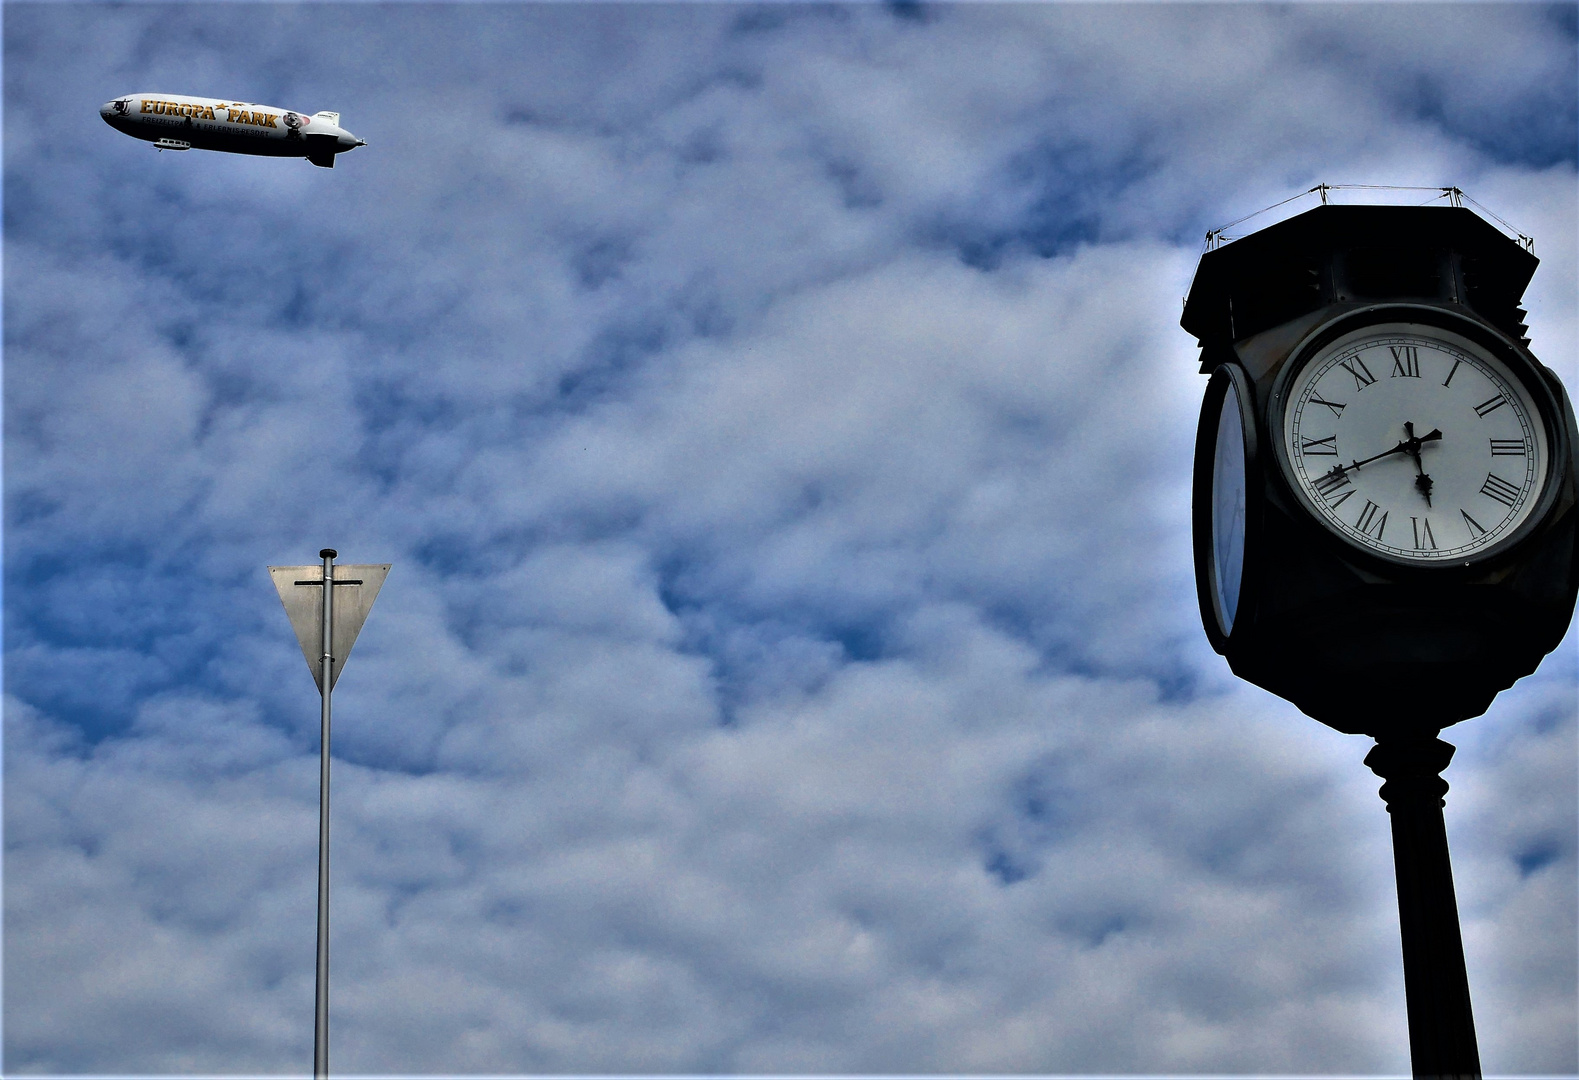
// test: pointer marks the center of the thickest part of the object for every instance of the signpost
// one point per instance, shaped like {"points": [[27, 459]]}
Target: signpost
{"points": [[326, 627]]}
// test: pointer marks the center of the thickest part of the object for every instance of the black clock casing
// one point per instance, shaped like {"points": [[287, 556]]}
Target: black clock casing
{"points": [[1359, 639]]}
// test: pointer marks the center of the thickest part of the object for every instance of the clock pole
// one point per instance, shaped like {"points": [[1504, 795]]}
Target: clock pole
{"points": [[1436, 985]]}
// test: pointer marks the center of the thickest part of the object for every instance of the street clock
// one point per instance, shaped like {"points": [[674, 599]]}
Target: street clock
{"points": [[1384, 508], [1384, 514]]}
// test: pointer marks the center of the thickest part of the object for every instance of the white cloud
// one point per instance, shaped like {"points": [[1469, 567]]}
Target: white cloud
{"points": [[780, 427]]}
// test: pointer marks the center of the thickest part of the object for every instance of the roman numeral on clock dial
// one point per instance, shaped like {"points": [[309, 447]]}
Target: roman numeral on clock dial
{"points": [[1505, 447], [1406, 363], [1490, 405], [1497, 488], [1337, 407], [1368, 520], [1362, 377], [1327, 447], [1423, 538], [1330, 483]]}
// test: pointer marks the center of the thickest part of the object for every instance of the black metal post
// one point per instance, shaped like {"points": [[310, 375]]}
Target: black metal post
{"points": [[326, 671], [1436, 985]]}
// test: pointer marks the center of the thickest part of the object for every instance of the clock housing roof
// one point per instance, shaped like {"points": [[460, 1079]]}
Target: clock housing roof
{"points": [[1336, 254]]}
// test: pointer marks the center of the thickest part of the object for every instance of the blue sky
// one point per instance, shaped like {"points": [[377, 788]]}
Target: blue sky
{"points": [[779, 424]]}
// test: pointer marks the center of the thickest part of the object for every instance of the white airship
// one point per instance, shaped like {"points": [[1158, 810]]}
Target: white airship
{"points": [[179, 122]]}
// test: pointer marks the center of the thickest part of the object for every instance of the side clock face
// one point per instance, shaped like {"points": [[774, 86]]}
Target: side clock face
{"points": [[1414, 443], [1229, 487]]}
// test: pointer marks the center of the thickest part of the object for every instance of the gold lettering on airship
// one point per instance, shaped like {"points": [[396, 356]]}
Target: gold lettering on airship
{"points": [[178, 108], [236, 114]]}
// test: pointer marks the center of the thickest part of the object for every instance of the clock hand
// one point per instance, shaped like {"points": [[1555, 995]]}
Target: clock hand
{"points": [[1411, 447], [1431, 436], [1401, 448]]}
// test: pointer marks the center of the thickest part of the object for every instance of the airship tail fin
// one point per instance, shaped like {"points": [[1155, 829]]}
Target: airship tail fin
{"points": [[332, 117], [323, 161]]}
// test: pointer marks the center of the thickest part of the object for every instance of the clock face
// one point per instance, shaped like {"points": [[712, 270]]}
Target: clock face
{"points": [[1414, 443], [1228, 509]]}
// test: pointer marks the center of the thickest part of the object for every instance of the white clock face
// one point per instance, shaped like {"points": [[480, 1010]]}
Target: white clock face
{"points": [[1414, 443]]}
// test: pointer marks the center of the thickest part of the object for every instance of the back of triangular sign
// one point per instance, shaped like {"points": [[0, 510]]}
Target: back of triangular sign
{"points": [[301, 591]]}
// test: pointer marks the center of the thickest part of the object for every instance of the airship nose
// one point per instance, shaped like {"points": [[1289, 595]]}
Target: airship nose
{"points": [[107, 110]]}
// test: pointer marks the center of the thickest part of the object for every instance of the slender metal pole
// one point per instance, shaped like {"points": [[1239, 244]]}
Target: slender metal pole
{"points": [[1436, 985], [326, 670]]}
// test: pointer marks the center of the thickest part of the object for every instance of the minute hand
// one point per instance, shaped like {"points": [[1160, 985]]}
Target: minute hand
{"points": [[1405, 446]]}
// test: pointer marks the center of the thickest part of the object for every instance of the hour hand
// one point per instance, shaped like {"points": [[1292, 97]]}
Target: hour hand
{"points": [[1411, 446]]}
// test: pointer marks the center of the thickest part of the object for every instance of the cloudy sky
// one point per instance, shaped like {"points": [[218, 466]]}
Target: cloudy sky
{"points": [[779, 424]]}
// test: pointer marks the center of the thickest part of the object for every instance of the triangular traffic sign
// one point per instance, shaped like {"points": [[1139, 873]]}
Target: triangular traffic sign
{"points": [[301, 591]]}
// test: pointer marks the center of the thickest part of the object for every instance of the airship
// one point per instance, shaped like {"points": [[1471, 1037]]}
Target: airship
{"points": [[181, 122]]}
